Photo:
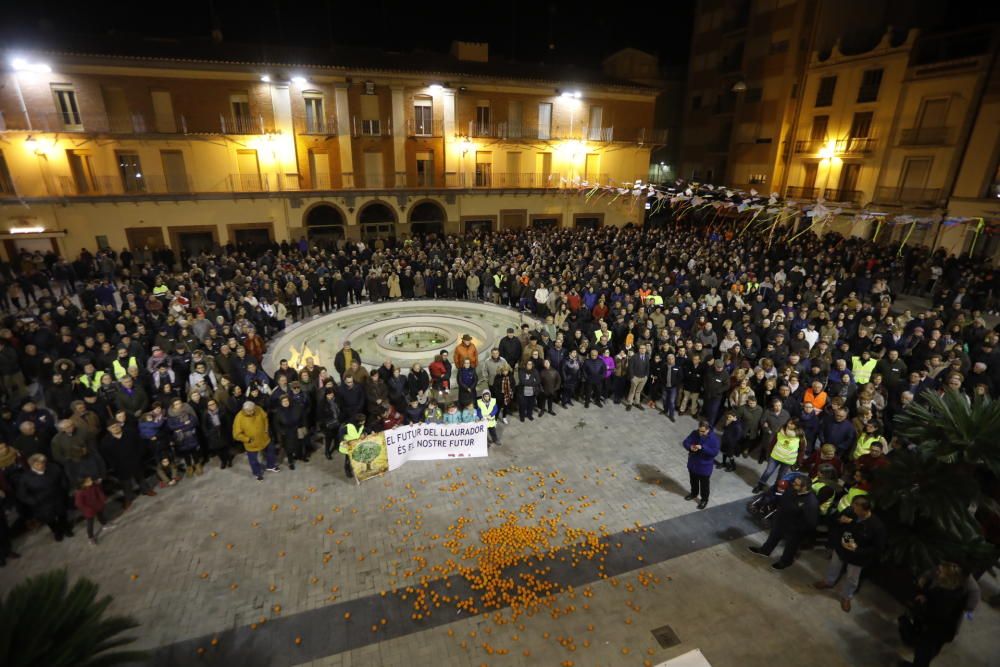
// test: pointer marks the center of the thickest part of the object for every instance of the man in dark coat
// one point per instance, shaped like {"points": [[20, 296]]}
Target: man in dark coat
{"points": [[123, 453], [702, 446], [511, 348], [795, 520], [43, 490], [861, 541]]}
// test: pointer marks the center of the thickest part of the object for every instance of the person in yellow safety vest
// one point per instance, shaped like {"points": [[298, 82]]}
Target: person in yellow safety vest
{"points": [[785, 453], [860, 488], [161, 290], [862, 367], [91, 379], [487, 409], [655, 299], [602, 332], [121, 365], [870, 435], [825, 488], [351, 432]]}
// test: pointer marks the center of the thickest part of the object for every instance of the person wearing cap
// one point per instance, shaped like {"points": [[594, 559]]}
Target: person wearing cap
{"points": [[511, 348], [488, 409], [250, 427], [466, 350]]}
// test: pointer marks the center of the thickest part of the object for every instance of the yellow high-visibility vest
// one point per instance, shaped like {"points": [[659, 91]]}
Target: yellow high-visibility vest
{"points": [[351, 434], [786, 449], [849, 497], [864, 445], [122, 371], [486, 409], [94, 383], [862, 371]]}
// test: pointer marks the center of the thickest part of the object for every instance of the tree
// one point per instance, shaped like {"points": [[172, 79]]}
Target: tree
{"points": [[45, 622], [935, 496], [366, 452]]}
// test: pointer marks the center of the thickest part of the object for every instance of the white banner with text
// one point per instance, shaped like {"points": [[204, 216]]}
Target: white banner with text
{"points": [[430, 442]]}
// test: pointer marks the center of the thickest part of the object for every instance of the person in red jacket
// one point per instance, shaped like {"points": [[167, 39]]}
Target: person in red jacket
{"points": [[90, 500]]}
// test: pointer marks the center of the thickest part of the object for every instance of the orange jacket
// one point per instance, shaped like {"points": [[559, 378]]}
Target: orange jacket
{"points": [[463, 352]]}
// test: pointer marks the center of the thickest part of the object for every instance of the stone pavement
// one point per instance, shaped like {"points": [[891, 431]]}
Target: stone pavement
{"points": [[256, 566]]}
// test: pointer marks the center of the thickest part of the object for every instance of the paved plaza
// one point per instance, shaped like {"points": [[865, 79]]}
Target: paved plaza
{"points": [[310, 568]]}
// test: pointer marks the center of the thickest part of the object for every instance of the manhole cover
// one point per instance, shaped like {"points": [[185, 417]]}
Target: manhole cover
{"points": [[666, 636]]}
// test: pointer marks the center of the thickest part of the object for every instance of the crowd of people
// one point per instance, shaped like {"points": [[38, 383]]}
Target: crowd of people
{"points": [[119, 370]]}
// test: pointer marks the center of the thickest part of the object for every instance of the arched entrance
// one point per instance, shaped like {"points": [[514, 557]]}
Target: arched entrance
{"points": [[378, 221], [324, 223], [427, 218]]}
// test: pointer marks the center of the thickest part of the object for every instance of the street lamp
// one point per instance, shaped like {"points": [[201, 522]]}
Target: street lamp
{"points": [[826, 154]]}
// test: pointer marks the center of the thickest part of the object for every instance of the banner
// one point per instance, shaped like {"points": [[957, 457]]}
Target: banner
{"points": [[428, 442], [368, 457]]}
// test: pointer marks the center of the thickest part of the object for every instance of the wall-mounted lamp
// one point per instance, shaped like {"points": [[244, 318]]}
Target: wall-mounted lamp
{"points": [[27, 230], [828, 150], [265, 78], [301, 80], [739, 87], [22, 65], [435, 88]]}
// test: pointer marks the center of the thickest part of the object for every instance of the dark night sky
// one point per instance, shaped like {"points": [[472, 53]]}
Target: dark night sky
{"points": [[516, 29]]}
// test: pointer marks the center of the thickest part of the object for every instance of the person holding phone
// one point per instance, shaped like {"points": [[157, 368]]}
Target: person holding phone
{"points": [[703, 446], [861, 541]]}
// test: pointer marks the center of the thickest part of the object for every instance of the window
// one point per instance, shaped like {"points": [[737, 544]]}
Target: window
{"points": [[423, 117], [66, 106], [596, 129], [369, 87], [545, 120], [483, 118], [484, 168], [371, 126], [425, 169], [819, 126], [6, 182], [824, 95], [131, 172], [861, 125], [315, 120], [757, 179], [871, 80], [239, 106], [82, 169], [514, 125]]}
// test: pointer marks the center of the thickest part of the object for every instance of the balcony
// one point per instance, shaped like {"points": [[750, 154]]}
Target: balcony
{"points": [[809, 146], [66, 186], [843, 196], [855, 146], [247, 183], [915, 196], [424, 128], [925, 136], [511, 180], [798, 192], [376, 127], [324, 126]]}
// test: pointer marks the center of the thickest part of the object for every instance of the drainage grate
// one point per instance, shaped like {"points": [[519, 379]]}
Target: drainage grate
{"points": [[666, 636]]}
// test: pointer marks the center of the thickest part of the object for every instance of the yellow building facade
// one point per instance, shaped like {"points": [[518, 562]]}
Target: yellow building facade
{"points": [[111, 151], [804, 99]]}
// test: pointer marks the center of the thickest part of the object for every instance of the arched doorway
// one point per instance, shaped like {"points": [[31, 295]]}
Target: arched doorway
{"points": [[427, 218], [324, 223], [378, 221]]}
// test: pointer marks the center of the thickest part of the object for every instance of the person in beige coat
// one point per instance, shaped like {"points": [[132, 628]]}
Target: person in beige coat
{"points": [[250, 428]]}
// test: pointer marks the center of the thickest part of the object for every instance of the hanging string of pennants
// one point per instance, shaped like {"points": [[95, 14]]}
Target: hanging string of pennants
{"points": [[765, 213]]}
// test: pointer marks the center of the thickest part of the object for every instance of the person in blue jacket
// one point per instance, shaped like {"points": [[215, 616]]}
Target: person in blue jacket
{"points": [[702, 446]]}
